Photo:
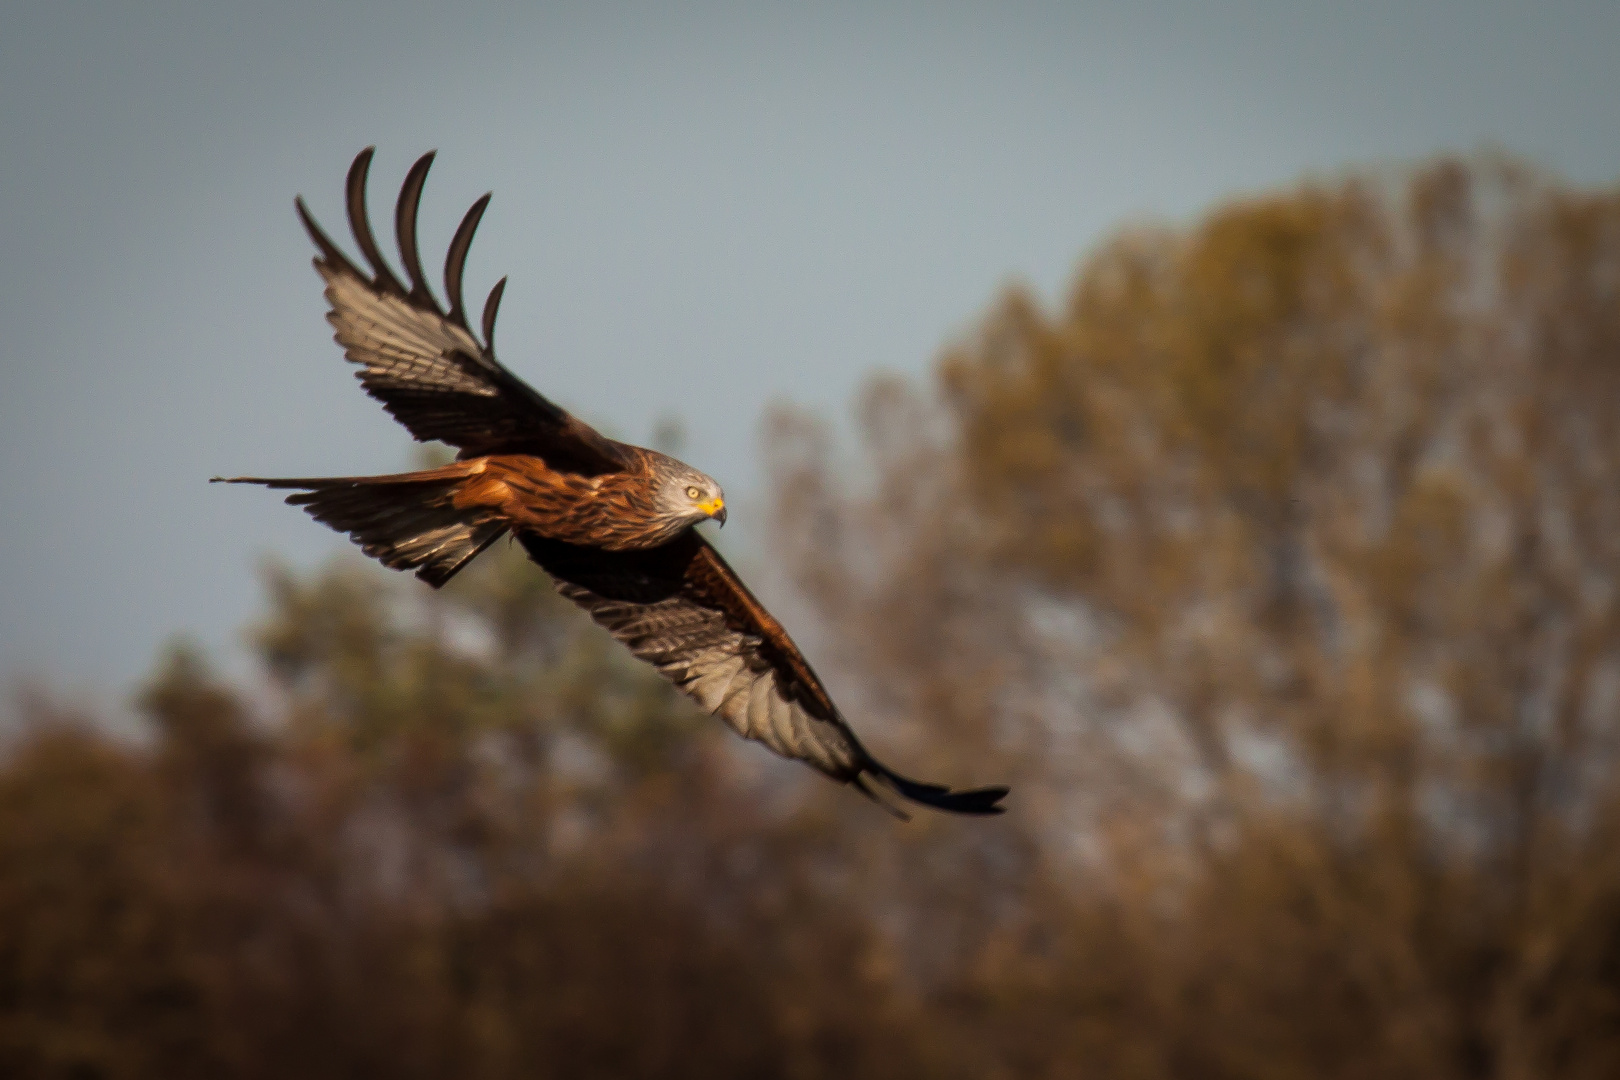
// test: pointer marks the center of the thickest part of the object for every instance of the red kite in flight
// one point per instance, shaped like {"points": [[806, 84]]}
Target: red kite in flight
{"points": [[611, 523]]}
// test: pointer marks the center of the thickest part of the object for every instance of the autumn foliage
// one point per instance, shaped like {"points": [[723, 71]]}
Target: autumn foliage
{"points": [[1278, 569]]}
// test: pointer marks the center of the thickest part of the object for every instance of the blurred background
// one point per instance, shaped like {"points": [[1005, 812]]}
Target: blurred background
{"points": [[1207, 422]]}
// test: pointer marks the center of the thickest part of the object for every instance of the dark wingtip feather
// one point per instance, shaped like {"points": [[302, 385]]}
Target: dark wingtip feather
{"points": [[491, 307], [978, 801], [455, 260], [330, 252], [405, 212], [360, 223]]}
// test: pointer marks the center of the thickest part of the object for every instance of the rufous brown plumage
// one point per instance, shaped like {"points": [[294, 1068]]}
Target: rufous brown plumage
{"points": [[613, 524]]}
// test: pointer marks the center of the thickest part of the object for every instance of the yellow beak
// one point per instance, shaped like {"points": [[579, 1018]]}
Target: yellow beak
{"points": [[715, 508]]}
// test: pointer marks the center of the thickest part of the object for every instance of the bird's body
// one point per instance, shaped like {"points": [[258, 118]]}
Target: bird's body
{"points": [[613, 524], [613, 511]]}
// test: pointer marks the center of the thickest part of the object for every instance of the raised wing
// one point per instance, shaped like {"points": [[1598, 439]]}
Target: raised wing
{"points": [[682, 609], [422, 362]]}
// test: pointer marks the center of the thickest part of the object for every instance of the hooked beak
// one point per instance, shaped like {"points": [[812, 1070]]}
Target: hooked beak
{"points": [[716, 509]]}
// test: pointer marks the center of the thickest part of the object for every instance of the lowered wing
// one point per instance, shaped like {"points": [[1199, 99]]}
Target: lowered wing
{"points": [[681, 608], [423, 362]]}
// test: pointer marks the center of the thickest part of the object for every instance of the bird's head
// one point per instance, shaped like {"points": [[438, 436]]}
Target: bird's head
{"points": [[684, 492]]}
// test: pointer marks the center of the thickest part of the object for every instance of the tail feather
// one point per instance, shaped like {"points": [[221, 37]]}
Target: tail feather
{"points": [[407, 521]]}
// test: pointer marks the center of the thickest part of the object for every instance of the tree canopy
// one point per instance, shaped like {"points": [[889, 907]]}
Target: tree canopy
{"points": [[1278, 567]]}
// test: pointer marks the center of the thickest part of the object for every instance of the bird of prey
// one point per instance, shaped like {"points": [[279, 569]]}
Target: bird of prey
{"points": [[613, 524]]}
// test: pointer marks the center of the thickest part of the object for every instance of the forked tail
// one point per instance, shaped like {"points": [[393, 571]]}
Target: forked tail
{"points": [[408, 521]]}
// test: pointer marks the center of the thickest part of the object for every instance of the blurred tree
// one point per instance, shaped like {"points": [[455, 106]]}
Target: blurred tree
{"points": [[1280, 567], [1286, 555]]}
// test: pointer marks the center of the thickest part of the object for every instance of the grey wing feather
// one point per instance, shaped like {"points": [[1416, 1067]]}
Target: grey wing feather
{"points": [[424, 364], [723, 670], [682, 610]]}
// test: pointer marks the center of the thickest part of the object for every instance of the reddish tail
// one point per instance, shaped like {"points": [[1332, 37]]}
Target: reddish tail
{"points": [[408, 521]]}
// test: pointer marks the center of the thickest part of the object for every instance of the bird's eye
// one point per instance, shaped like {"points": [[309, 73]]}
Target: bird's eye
{"points": [[693, 493]]}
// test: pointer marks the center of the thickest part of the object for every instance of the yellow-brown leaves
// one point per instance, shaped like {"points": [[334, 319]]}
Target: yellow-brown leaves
{"points": [[1293, 542], [1278, 570]]}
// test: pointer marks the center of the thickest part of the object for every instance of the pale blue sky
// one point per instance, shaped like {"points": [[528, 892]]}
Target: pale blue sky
{"points": [[702, 207]]}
